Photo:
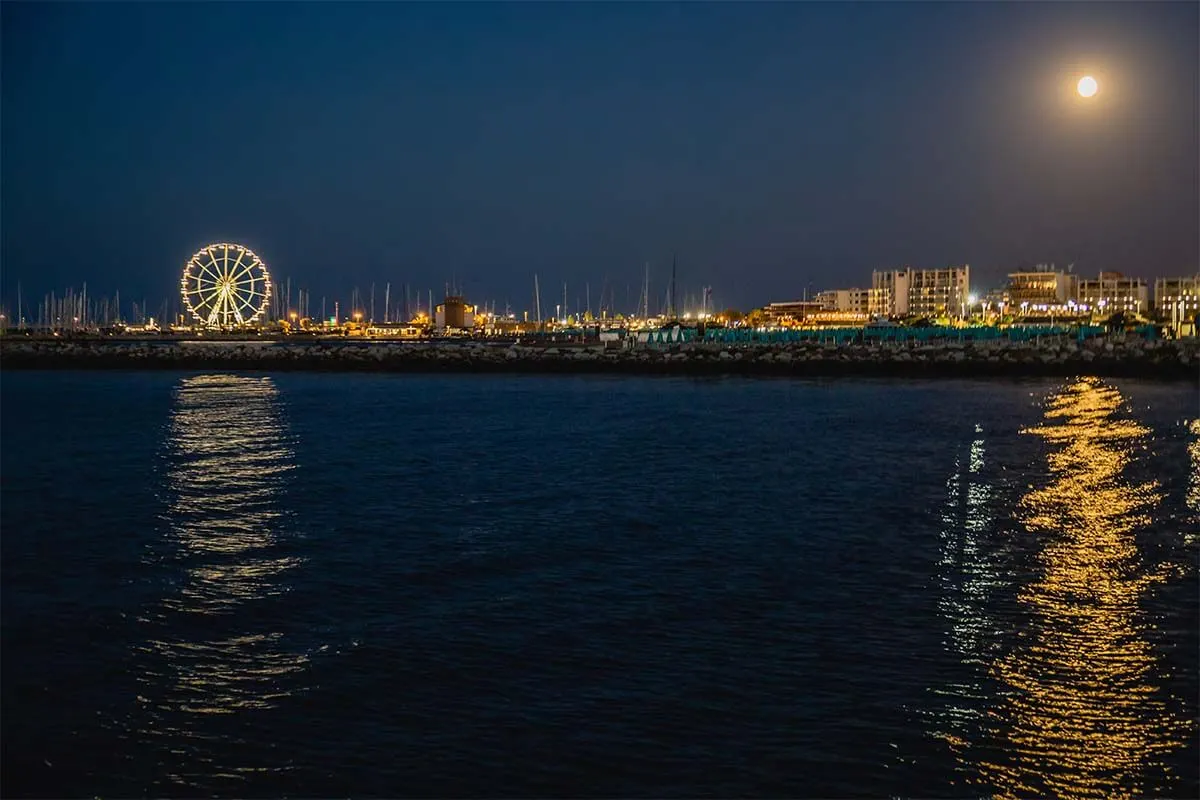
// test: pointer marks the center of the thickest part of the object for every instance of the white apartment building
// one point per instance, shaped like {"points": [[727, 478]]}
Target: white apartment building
{"points": [[1177, 298], [850, 301], [1177, 293], [1112, 292], [924, 292], [830, 299]]}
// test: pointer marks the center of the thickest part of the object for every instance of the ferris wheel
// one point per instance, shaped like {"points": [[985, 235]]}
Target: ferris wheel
{"points": [[226, 285]]}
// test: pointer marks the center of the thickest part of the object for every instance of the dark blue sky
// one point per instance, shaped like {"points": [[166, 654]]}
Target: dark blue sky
{"points": [[774, 147]]}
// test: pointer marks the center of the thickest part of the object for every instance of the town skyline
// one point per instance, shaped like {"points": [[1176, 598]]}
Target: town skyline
{"points": [[402, 302]]}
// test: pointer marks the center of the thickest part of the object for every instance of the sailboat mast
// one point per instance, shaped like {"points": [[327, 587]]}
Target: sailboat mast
{"points": [[646, 294], [537, 298], [674, 308]]}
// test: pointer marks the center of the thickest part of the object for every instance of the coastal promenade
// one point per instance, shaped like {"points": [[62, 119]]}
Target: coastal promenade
{"points": [[1113, 356]]}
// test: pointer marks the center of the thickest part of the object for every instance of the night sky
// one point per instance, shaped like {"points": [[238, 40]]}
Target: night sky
{"points": [[773, 147]]}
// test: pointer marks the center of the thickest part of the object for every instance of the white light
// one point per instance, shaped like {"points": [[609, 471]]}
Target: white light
{"points": [[1087, 86]]}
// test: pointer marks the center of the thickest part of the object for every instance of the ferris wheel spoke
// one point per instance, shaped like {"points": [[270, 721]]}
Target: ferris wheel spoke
{"points": [[235, 303], [246, 270], [205, 288], [250, 307], [232, 301], [203, 269], [236, 264], [203, 298], [208, 298], [203, 292]]}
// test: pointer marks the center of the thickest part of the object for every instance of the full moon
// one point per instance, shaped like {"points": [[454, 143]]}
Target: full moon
{"points": [[1088, 86]]}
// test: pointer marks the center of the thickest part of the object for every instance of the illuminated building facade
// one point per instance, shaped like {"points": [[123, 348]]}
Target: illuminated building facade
{"points": [[861, 302], [1177, 297], [1112, 292], [1042, 287], [922, 292], [796, 312], [454, 313], [395, 330]]}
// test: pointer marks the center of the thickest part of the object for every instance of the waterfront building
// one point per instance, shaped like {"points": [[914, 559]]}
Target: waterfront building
{"points": [[1177, 302], [1177, 296], [1112, 292], [995, 300], [1043, 286], [395, 330], [832, 319], [828, 299], [922, 292], [859, 302], [795, 312], [454, 313]]}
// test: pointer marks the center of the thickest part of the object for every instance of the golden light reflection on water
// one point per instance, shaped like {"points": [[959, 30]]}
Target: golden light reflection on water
{"points": [[207, 652], [1083, 712]]}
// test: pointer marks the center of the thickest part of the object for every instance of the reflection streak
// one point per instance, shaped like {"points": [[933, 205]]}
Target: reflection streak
{"points": [[1193, 493], [969, 575], [228, 463], [1083, 713]]}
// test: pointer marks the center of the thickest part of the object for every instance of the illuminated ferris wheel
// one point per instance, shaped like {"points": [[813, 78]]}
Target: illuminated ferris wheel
{"points": [[226, 285]]}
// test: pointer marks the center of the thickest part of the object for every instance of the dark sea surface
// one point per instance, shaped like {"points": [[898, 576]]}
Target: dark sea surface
{"points": [[372, 585]]}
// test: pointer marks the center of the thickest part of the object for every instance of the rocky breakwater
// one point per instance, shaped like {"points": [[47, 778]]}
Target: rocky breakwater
{"points": [[1105, 357]]}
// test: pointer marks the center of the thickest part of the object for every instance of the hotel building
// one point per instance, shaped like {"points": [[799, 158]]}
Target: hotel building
{"points": [[863, 302], [1042, 288], [922, 292], [1112, 292]]}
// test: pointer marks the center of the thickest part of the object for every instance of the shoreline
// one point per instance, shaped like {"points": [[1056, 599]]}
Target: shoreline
{"points": [[1177, 360]]}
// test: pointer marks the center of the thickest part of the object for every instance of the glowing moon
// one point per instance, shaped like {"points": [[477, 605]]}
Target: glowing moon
{"points": [[1087, 86]]}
